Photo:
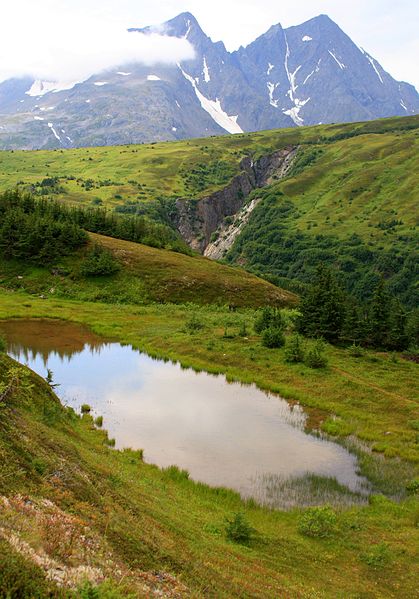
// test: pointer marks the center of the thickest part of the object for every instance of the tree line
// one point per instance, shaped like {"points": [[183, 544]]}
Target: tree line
{"points": [[42, 230], [328, 311]]}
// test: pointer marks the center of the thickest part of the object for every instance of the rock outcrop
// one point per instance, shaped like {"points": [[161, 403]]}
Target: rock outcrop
{"points": [[198, 220]]}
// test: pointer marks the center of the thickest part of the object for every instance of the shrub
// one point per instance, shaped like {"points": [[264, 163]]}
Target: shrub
{"points": [[194, 324], [318, 522], [273, 338], [294, 350], [239, 530], [21, 578], [268, 318], [99, 421], [243, 330], [85, 408], [3, 344], [356, 351], [99, 262], [315, 357], [412, 488]]}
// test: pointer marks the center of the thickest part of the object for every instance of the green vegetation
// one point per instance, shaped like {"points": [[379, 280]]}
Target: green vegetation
{"points": [[145, 275], [349, 201], [44, 230], [117, 527], [239, 530], [99, 262], [318, 522], [326, 311]]}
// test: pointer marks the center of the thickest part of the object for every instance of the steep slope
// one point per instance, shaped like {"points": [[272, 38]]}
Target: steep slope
{"points": [[304, 75], [147, 274], [351, 203], [315, 74]]}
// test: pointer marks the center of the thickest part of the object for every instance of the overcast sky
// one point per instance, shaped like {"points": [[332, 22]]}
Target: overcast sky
{"points": [[71, 39]]}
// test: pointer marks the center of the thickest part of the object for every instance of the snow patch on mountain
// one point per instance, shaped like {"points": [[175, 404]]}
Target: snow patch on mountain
{"points": [[100, 83], [341, 65], [271, 88], [123, 73], [51, 126], [294, 112], [270, 67], [214, 109], [372, 63], [188, 30], [306, 38], [205, 72], [40, 88]]}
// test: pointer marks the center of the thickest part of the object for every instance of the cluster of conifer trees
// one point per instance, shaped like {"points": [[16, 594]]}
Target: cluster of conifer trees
{"points": [[329, 312], [30, 233], [42, 230]]}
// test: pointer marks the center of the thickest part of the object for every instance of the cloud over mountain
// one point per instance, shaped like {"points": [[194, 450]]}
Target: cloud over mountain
{"points": [[73, 50]]}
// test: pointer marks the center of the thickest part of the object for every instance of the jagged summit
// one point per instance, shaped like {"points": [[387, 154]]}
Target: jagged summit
{"points": [[303, 75]]}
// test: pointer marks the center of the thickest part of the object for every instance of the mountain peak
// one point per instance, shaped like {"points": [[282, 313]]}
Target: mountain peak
{"points": [[182, 25], [304, 75], [321, 22]]}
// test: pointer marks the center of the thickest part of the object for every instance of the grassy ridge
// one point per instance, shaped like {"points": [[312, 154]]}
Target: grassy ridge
{"points": [[172, 169], [350, 199], [147, 275]]}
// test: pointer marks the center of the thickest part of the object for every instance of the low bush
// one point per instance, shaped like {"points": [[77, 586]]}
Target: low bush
{"points": [[238, 530], [412, 487], [294, 350], [315, 357], [273, 338], [194, 324], [268, 318], [99, 262], [318, 522], [21, 578]]}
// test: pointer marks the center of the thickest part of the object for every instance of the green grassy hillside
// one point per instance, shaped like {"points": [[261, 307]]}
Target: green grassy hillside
{"points": [[192, 168], [350, 199], [351, 203], [146, 275]]}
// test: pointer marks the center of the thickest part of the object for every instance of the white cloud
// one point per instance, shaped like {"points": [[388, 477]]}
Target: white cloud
{"points": [[61, 45], [52, 35]]}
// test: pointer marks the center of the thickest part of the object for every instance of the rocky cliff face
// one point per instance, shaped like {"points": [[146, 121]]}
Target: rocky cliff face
{"points": [[198, 220]]}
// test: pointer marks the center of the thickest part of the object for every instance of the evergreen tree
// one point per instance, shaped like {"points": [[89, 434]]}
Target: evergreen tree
{"points": [[380, 311], [323, 307]]}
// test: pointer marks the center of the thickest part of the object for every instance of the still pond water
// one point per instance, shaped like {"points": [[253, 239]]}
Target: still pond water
{"points": [[224, 434]]}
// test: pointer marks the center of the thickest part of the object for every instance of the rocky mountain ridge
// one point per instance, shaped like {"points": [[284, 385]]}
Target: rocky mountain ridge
{"points": [[304, 75]]}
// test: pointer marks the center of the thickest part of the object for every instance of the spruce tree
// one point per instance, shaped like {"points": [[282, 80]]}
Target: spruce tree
{"points": [[380, 311], [323, 307]]}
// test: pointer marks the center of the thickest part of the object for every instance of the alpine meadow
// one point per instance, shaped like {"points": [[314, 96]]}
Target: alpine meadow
{"points": [[209, 323]]}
